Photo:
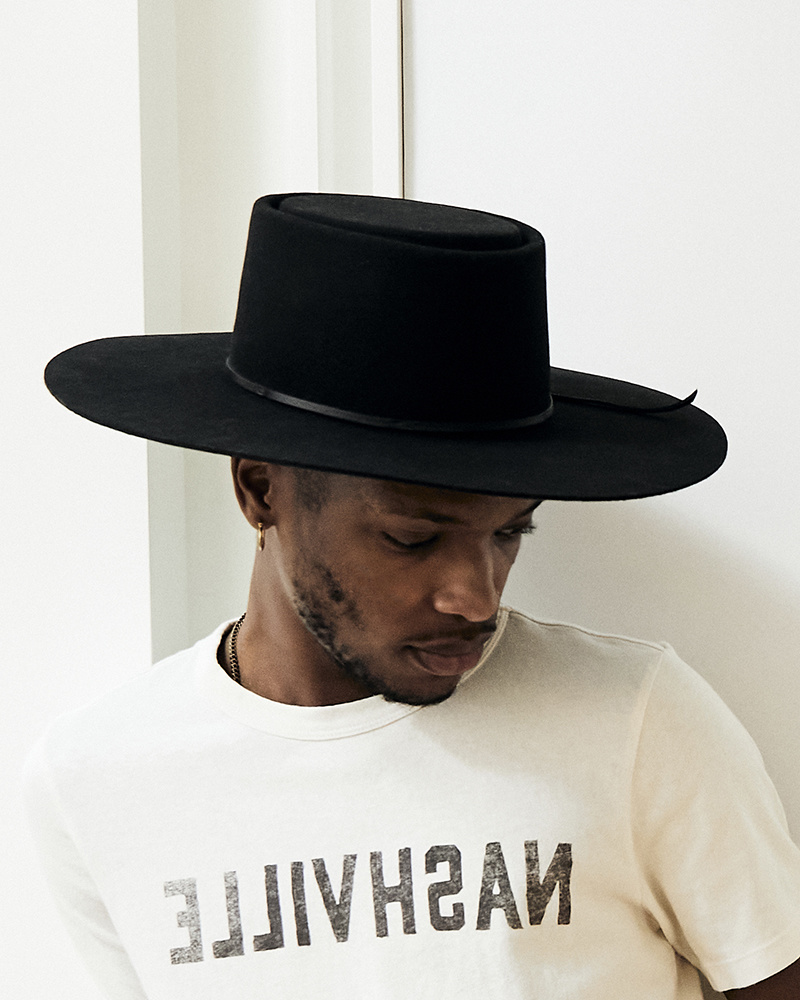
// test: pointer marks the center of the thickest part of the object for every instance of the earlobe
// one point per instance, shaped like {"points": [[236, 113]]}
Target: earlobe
{"points": [[253, 485]]}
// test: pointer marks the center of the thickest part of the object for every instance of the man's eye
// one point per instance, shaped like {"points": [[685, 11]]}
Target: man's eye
{"points": [[512, 533], [408, 545]]}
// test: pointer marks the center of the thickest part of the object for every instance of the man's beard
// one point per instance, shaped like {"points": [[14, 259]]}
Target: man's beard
{"points": [[318, 608]]}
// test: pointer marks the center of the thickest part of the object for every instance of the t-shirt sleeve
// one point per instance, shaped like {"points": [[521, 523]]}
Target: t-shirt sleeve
{"points": [[70, 881], [721, 873]]}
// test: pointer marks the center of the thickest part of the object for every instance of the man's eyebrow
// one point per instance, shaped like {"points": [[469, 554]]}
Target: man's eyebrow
{"points": [[435, 516]]}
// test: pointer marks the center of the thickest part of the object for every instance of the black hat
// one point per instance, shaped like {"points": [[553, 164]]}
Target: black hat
{"points": [[399, 340]]}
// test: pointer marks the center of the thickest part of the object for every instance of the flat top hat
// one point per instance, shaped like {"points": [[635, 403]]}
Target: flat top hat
{"points": [[398, 340]]}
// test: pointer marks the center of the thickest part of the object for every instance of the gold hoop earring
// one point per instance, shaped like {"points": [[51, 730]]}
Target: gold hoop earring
{"points": [[260, 536]]}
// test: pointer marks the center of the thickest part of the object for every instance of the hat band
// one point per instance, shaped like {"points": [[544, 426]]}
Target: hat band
{"points": [[607, 404], [453, 427]]}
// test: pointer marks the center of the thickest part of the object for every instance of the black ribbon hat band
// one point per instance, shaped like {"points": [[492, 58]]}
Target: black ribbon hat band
{"points": [[451, 428], [397, 423]]}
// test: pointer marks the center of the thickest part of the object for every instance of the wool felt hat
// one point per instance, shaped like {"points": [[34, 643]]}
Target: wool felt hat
{"points": [[398, 340]]}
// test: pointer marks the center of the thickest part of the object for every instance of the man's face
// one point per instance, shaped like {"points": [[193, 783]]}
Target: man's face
{"points": [[399, 584]]}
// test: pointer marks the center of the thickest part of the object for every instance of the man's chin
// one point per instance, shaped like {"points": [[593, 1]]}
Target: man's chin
{"points": [[360, 671], [418, 699]]}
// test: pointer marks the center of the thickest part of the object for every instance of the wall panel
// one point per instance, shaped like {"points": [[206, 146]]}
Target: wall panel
{"points": [[75, 594]]}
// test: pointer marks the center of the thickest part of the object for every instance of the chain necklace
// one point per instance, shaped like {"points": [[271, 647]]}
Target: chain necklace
{"points": [[233, 659]]}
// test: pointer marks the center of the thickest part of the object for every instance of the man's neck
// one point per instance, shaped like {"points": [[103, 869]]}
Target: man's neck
{"points": [[278, 657]]}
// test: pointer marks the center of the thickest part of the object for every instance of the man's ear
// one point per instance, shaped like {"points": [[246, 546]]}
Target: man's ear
{"points": [[255, 486]]}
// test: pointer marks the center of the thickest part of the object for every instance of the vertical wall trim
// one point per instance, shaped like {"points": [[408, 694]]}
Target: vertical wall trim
{"points": [[387, 97], [315, 103], [402, 102]]}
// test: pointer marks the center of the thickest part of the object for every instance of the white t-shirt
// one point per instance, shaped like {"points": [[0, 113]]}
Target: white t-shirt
{"points": [[583, 818]]}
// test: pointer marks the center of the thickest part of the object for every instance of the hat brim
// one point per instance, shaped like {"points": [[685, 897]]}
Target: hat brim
{"points": [[175, 388]]}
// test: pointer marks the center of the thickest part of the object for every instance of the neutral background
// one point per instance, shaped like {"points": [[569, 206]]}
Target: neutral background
{"points": [[656, 146]]}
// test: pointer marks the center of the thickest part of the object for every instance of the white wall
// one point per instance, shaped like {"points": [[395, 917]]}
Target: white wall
{"points": [[657, 148], [75, 609]]}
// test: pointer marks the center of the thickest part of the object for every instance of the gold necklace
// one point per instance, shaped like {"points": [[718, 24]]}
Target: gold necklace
{"points": [[233, 659]]}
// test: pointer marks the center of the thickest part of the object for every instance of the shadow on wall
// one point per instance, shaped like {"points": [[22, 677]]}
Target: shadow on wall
{"points": [[632, 569]]}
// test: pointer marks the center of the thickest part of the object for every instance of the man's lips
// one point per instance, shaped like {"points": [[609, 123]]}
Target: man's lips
{"points": [[449, 658]]}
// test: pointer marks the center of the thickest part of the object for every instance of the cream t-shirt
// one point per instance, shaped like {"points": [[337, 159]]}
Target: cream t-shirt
{"points": [[583, 818]]}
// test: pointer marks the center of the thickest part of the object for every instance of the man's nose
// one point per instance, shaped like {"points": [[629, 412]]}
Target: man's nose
{"points": [[468, 585]]}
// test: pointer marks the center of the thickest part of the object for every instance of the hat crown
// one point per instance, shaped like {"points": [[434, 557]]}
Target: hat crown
{"points": [[408, 221], [394, 312]]}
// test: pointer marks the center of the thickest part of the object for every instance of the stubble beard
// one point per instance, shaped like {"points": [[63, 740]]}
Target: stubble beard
{"points": [[319, 607]]}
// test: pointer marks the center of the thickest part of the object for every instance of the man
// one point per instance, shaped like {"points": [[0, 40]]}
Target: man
{"points": [[379, 782]]}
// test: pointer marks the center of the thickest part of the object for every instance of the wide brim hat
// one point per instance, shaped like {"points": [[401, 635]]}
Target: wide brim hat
{"points": [[399, 340]]}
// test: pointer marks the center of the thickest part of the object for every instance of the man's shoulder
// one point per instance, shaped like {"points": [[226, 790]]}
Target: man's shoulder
{"points": [[588, 668], [573, 663], [157, 703], [559, 641]]}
